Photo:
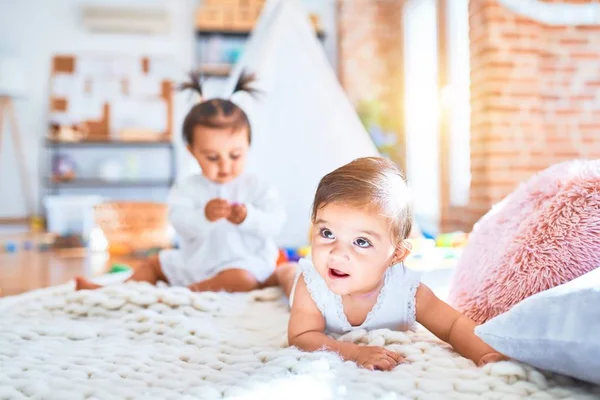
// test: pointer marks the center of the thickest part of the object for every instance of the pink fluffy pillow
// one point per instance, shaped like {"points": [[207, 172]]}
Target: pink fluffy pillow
{"points": [[546, 233]]}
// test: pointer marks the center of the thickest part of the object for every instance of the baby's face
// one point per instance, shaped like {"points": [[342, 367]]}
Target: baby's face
{"points": [[352, 248], [221, 153]]}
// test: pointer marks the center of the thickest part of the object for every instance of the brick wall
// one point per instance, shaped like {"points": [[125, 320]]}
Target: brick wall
{"points": [[535, 97], [535, 92], [370, 59]]}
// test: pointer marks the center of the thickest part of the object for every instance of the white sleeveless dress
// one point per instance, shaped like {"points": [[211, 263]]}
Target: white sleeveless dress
{"points": [[394, 308]]}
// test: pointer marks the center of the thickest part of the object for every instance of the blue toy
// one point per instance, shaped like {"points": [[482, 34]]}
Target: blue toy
{"points": [[427, 235], [11, 247], [292, 255]]}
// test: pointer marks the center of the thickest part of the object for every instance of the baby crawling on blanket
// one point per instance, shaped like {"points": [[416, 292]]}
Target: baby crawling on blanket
{"points": [[356, 279], [226, 218]]}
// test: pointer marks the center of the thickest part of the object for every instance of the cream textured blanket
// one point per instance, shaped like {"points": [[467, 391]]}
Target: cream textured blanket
{"points": [[139, 341]]}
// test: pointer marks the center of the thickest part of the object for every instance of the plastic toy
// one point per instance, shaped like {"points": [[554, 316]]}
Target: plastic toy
{"points": [[233, 55], [11, 247], [63, 168], [450, 254], [145, 253], [27, 245], [292, 255], [37, 224], [116, 268], [153, 251], [304, 251], [117, 249], [42, 247], [427, 235], [283, 257], [453, 239]]}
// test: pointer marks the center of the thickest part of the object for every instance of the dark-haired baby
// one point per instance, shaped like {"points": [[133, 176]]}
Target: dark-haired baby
{"points": [[225, 217]]}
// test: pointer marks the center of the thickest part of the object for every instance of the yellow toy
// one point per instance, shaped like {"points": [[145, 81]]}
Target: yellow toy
{"points": [[36, 224], [304, 251], [453, 239]]}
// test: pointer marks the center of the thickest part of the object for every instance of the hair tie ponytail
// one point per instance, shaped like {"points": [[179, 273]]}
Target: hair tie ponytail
{"points": [[220, 113], [244, 84], [194, 84]]}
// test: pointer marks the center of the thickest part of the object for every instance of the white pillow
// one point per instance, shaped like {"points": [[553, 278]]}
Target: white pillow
{"points": [[556, 330]]}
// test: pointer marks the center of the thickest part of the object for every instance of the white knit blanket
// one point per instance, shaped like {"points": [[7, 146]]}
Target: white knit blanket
{"points": [[139, 341]]}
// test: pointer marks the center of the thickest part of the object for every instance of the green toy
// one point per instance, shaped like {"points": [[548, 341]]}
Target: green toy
{"points": [[116, 268]]}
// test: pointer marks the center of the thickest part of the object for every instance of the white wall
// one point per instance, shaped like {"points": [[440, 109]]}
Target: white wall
{"points": [[38, 29]]}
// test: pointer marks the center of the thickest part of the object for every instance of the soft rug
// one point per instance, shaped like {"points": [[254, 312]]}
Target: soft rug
{"points": [[139, 341]]}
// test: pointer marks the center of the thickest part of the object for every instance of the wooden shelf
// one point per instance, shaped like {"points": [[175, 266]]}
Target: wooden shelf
{"points": [[107, 143], [222, 32], [216, 69], [82, 183], [236, 33]]}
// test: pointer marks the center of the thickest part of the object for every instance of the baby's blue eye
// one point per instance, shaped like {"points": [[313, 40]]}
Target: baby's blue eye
{"points": [[363, 243], [234, 156], [213, 158], [327, 234]]}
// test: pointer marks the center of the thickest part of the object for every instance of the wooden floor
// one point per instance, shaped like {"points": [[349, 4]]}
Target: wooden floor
{"points": [[26, 270]]}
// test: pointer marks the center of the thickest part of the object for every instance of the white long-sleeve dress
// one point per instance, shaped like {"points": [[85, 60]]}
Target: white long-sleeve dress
{"points": [[207, 248]]}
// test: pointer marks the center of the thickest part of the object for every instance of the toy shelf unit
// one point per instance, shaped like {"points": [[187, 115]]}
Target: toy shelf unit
{"points": [[105, 98], [110, 131], [98, 164], [86, 173], [222, 28]]}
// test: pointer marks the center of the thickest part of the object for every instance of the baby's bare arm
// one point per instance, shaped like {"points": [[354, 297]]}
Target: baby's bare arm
{"points": [[452, 327], [306, 328]]}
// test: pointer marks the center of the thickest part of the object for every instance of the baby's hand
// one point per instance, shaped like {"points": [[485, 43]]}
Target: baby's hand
{"points": [[490, 358], [374, 357], [217, 209], [238, 213]]}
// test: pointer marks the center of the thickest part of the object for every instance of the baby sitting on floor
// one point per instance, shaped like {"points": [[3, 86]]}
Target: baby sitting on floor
{"points": [[227, 219], [356, 277]]}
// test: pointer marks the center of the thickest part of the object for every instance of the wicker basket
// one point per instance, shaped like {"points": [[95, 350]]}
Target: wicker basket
{"points": [[131, 226], [236, 15], [229, 15]]}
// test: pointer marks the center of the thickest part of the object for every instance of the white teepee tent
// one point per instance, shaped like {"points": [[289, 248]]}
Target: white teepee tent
{"points": [[303, 124]]}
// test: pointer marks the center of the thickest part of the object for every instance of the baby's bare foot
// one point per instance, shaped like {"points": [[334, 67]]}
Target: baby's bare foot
{"points": [[82, 283]]}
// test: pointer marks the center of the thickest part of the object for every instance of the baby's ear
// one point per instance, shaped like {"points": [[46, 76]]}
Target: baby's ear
{"points": [[402, 251]]}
